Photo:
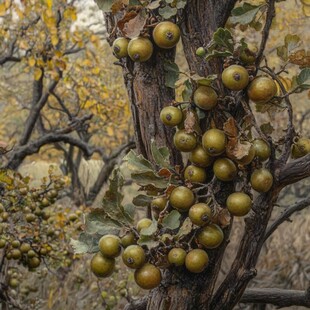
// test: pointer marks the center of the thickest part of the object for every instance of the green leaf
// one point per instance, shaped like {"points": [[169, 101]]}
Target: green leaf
{"points": [[137, 163], [167, 12], [267, 128], [161, 155], [130, 211], [215, 54], [142, 200], [185, 229], [291, 42], [244, 14], [181, 4], [172, 220], [149, 231], [223, 38], [303, 78], [149, 178], [85, 244], [148, 241], [282, 52], [171, 73], [206, 81], [154, 5], [188, 91], [104, 5]]}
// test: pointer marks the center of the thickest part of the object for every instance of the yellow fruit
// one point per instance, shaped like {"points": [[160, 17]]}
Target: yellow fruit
{"points": [[205, 97], [224, 169], [239, 204], [128, 239], [110, 246], [214, 142], [184, 142], [261, 180], [248, 55], [301, 147], [196, 260], [148, 276], [119, 47], [200, 214], [200, 157], [210, 236], [166, 34], [102, 266], [195, 174], [262, 89], [159, 203], [171, 116], [182, 198], [140, 49], [235, 77]]}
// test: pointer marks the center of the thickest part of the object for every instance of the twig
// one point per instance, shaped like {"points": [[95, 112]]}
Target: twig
{"points": [[285, 216]]}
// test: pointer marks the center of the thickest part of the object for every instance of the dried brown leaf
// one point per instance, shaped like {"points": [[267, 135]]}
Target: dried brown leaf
{"points": [[230, 128], [135, 25], [300, 58], [190, 121], [126, 18], [237, 149], [224, 217]]}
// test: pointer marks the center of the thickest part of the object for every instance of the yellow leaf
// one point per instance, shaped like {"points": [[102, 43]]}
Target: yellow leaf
{"points": [[54, 40], [2, 9], [49, 3], [37, 74], [8, 3], [95, 71], [31, 62], [110, 131]]}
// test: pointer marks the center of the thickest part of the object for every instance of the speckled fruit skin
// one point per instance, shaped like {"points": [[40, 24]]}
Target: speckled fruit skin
{"points": [[195, 174], [225, 169], [214, 142], [205, 97], [102, 266], [148, 276], [184, 142], [140, 49], [262, 149], [119, 47], [262, 89], [166, 34], [196, 260], [200, 157], [182, 198], [261, 180], [176, 256], [110, 246], [171, 116], [210, 236], [301, 148], [239, 203], [200, 214], [133, 256], [235, 77]]}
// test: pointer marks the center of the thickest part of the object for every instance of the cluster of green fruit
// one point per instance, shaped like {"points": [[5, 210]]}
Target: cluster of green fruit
{"points": [[165, 35]]}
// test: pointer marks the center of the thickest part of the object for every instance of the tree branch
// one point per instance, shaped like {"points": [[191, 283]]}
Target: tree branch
{"points": [[294, 171], [277, 297], [300, 205]]}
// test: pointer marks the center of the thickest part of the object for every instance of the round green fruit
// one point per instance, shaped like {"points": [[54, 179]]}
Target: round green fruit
{"points": [[301, 148], [200, 214], [201, 52], [128, 239], [140, 49], [110, 246], [239, 204], [15, 244], [171, 116], [200, 157], [133, 256], [214, 142], [119, 47], [235, 77], [184, 142], [210, 236], [248, 55], [195, 174], [143, 223], [261, 180], [182, 198], [148, 276], [262, 149], [262, 89], [166, 34], [176, 256], [224, 169], [159, 203], [34, 262], [16, 254], [102, 266], [205, 97], [196, 260]]}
